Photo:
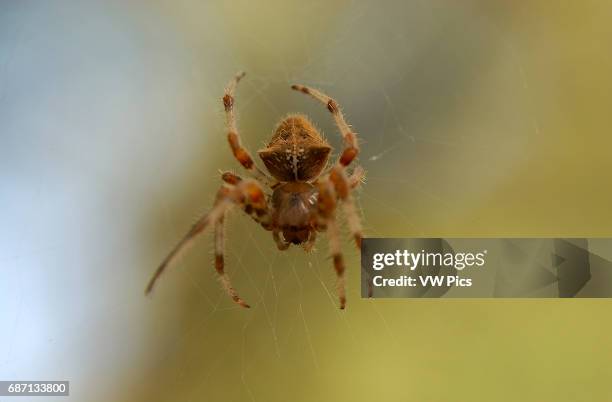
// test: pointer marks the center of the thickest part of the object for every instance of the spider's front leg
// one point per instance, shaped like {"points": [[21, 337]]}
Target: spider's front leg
{"points": [[240, 153], [351, 147], [249, 195]]}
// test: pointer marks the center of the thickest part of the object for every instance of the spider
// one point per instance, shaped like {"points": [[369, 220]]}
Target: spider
{"points": [[304, 194]]}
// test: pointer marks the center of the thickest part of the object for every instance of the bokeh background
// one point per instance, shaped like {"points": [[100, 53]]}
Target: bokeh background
{"points": [[477, 118]]}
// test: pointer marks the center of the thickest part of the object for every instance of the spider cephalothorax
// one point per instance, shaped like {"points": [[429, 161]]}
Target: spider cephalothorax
{"points": [[303, 195]]}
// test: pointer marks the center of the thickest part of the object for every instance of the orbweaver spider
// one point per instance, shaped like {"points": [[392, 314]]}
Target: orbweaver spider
{"points": [[303, 200]]}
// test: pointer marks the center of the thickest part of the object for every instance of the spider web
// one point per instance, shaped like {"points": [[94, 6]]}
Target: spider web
{"points": [[435, 91]]}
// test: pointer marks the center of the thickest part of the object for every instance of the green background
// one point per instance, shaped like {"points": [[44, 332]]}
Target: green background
{"points": [[476, 118]]}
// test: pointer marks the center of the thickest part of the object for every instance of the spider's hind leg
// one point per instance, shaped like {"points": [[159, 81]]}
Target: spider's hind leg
{"points": [[248, 194], [220, 263]]}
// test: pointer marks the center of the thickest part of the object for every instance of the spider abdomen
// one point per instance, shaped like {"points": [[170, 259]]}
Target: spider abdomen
{"points": [[296, 152]]}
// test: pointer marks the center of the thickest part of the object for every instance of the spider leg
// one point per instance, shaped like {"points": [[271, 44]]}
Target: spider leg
{"points": [[357, 177], [230, 177], [258, 215], [220, 263], [249, 195], [240, 153], [342, 185], [327, 208], [351, 148]]}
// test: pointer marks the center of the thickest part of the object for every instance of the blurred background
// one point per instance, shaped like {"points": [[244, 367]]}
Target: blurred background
{"points": [[476, 118]]}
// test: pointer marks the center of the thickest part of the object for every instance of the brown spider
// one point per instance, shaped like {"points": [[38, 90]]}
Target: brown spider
{"points": [[303, 201]]}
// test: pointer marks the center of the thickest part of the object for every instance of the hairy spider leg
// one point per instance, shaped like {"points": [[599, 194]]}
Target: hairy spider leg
{"points": [[249, 195], [240, 153]]}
